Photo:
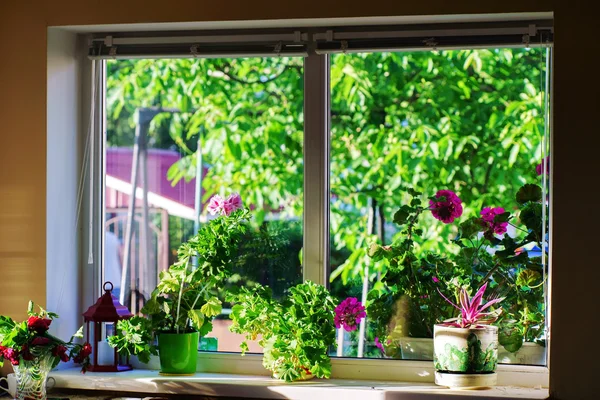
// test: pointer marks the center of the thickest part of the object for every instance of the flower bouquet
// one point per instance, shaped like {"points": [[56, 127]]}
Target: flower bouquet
{"points": [[33, 352]]}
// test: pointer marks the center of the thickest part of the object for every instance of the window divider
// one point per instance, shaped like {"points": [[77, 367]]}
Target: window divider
{"points": [[316, 168]]}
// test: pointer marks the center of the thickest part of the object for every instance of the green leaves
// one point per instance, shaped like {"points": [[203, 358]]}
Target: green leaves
{"points": [[470, 228], [295, 333], [531, 216], [197, 318], [527, 278], [510, 337], [529, 192], [212, 307], [401, 216], [134, 337]]}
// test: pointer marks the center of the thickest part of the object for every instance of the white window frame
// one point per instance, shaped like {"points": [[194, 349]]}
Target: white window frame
{"points": [[315, 250]]}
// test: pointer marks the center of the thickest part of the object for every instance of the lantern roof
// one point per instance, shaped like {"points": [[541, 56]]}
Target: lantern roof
{"points": [[107, 308]]}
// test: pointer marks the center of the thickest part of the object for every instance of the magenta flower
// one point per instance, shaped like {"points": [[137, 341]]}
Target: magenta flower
{"points": [[446, 207], [232, 203], [216, 205], [379, 345], [349, 313], [488, 214], [540, 166], [435, 279]]}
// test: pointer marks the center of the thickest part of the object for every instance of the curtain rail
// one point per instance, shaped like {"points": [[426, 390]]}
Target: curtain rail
{"points": [[295, 42]]}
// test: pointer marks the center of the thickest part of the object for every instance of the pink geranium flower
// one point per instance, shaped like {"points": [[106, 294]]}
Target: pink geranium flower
{"points": [[488, 214], [232, 203], [446, 207], [349, 313], [216, 205], [220, 206]]}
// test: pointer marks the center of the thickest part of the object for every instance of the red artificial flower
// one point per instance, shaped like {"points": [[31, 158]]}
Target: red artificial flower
{"points": [[61, 352], [86, 350], [40, 325], [40, 341]]}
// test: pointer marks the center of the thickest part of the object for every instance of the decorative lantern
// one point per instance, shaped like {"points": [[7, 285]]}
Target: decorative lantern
{"points": [[104, 316]]}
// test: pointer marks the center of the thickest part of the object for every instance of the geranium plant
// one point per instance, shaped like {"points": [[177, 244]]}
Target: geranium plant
{"points": [[186, 297], [402, 305], [295, 333], [24, 344]]}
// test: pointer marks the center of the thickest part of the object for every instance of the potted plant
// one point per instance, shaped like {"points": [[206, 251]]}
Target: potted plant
{"points": [[185, 300], [295, 333], [466, 348], [34, 352]]}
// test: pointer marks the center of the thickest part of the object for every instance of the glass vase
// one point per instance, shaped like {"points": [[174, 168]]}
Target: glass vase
{"points": [[31, 377]]}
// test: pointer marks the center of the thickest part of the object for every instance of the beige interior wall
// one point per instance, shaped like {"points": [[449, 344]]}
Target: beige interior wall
{"points": [[575, 266]]}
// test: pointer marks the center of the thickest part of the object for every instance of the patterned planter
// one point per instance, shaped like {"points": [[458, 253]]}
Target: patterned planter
{"points": [[465, 357]]}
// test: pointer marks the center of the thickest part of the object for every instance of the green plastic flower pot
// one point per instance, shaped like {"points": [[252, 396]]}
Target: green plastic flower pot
{"points": [[178, 353]]}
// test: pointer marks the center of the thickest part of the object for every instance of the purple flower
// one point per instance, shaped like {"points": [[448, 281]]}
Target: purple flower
{"points": [[232, 203], [379, 345], [488, 214], [435, 279], [446, 207], [216, 205], [349, 313], [540, 166]]}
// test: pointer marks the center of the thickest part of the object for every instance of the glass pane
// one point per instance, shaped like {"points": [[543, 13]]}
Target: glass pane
{"points": [[195, 128], [468, 121]]}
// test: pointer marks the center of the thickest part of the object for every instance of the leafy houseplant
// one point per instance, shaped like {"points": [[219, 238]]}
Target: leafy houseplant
{"points": [[466, 347], [33, 352], [295, 333], [185, 300]]}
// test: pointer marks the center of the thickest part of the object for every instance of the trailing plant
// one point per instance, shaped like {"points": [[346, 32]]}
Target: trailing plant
{"points": [[27, 342], [295, 333], [186, 297]]}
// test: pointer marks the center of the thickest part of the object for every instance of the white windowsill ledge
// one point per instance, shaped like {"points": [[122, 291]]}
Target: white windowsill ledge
{"points": [[247, 386]]}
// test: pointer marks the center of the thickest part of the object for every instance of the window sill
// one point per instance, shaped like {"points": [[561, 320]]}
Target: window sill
{"points": [[249, 386]]}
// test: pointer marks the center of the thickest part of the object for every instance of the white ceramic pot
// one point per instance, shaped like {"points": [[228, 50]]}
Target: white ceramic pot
{"points": [[529, 354], [465, 357]]}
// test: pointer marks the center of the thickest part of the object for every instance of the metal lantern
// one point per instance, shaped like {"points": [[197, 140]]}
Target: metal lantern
{"points": [[103, 316]]}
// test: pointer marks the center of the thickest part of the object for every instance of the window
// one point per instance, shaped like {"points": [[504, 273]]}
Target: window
{"points": [[469, 121], [196, 128], [326, 148]]}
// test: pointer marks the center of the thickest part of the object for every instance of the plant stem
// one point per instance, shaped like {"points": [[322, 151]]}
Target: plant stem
{"points": [[516, 227], [180, 294]]}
